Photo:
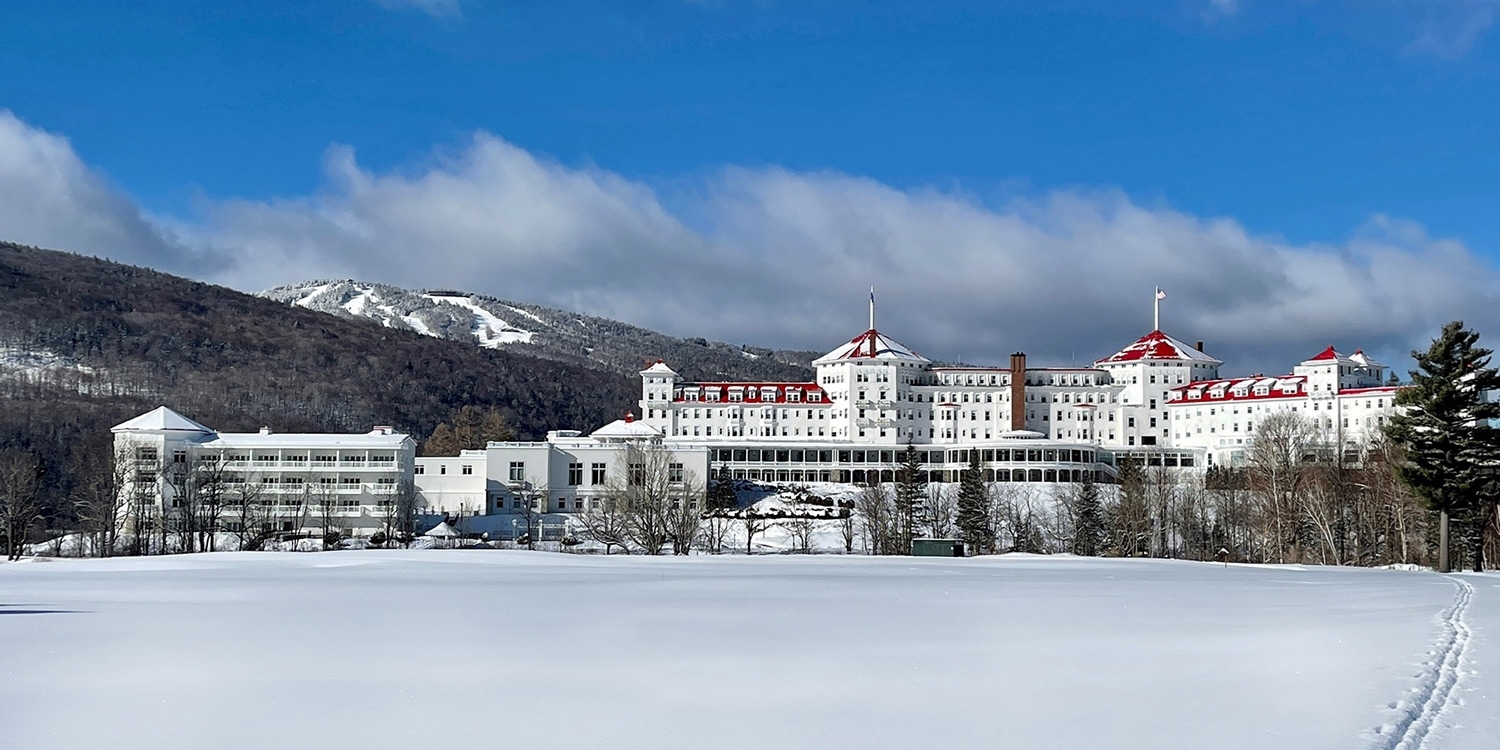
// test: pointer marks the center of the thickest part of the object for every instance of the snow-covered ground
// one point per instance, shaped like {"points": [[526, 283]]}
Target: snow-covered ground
{"points": [[433, 648]]}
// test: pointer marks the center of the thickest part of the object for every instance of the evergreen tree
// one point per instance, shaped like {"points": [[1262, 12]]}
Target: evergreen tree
{"points": [[1446, 430], [721, 494], [974, 508], [1088, 511], [911, 497], [442, 442]]}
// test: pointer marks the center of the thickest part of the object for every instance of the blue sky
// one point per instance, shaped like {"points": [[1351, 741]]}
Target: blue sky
{"points": [[1306, 124]]}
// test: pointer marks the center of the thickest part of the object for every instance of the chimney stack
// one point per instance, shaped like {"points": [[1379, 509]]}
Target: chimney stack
{"points": [[1018, 391], [1198, 346]]}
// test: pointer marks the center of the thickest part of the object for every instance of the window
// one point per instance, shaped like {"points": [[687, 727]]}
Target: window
{"points": [[575, 474], [517, 471], [468, 469], [674, 472], [419, 469], [597, 474]]}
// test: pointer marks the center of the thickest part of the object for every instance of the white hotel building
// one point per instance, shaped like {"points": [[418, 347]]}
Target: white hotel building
{"points": [[1158, 400]]}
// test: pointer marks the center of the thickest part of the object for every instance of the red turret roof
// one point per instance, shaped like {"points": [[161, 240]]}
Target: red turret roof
{"points": [[1157, 345]]}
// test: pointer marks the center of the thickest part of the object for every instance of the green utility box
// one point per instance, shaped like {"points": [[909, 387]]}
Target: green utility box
{"points": [[937, 548]]}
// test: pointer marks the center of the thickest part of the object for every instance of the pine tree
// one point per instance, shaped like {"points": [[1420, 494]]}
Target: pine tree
{"points": [[1446, 430], [442, 442], [911, 497], [974, 508], [1088, 524], [721, 495]]}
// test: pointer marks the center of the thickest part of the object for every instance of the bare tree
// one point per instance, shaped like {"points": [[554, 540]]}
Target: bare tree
{"points": [[248, 503], [20, 501], [801, 521], [653, 490], [878, 518], [326, 504], [752, 523], [607, 522], [102, 498], [1281, 449], [532, 503]]}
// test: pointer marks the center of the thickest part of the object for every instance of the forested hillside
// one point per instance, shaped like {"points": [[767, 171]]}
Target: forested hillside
{"points": [[87, 343]]}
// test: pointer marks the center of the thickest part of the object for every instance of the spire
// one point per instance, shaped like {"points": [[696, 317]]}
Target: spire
{"points": [[872, 320]]}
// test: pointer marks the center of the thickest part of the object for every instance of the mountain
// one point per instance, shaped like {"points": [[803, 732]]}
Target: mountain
{"points": [[86, 344], [545, 332]]}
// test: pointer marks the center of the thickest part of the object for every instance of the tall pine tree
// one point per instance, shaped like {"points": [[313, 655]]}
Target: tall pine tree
{"points": [[974, 508], [911, 498], [1451, 446], [1088, 518]]}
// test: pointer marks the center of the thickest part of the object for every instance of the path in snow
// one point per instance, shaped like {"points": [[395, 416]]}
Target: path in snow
{"points": [[1436, 694]]}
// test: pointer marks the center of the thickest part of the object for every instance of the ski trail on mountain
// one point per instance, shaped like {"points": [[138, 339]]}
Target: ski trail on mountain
{"points": [[1436, 694]]}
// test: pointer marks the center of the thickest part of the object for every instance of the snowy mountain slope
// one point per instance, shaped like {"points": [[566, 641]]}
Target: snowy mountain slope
{"points": [[540, 331]]}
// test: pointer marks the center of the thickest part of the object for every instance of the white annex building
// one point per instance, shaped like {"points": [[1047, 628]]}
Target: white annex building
{"points": [[358, 476]]}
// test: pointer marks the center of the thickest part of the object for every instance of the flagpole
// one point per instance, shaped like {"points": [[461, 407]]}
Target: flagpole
{"points": [[872, 308], [1156, 310]]}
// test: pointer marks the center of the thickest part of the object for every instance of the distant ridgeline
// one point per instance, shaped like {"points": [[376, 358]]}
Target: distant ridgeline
{"points": [[545, 332]]}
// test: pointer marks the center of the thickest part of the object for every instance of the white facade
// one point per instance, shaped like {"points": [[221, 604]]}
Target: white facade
{"points": [[294, 473], [1345, 398], [873, 396], [566, 473]]}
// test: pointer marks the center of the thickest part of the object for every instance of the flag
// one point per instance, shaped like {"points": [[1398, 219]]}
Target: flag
{"points": [[1160, 294]]}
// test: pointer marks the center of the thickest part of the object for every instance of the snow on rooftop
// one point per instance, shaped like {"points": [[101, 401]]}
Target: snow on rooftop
{"points": [[307, 440], [1157, 346], [161, 419], [871, 344]]}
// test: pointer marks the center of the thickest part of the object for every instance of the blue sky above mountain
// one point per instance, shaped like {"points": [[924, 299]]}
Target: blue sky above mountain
{"points": [[1010, 177]]}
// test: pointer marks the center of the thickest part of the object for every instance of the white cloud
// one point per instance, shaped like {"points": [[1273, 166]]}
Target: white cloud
{"points": [[1217, 9], [50, 198], [779, 258], [1450, 28], [434, 8]]}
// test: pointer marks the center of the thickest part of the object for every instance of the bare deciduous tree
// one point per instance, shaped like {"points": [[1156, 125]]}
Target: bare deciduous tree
{"points": [[20, 503]]}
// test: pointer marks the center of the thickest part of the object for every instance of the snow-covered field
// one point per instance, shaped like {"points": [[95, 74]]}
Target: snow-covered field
{"points": [[418, 649]]}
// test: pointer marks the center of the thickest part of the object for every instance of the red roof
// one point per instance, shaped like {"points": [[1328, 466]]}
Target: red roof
{"points": [[751, 392], [1157, 345], [1326, 354]]}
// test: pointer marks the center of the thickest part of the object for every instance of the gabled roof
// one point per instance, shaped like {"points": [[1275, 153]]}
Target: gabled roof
{"points": [[1157, 345], [162, 419], [1328, 356], [658, 368], [1360, 358], [871, 344], [626, 429]]}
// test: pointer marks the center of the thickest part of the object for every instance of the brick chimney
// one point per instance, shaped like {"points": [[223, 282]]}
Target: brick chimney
{"points": [[1018, 391]]}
